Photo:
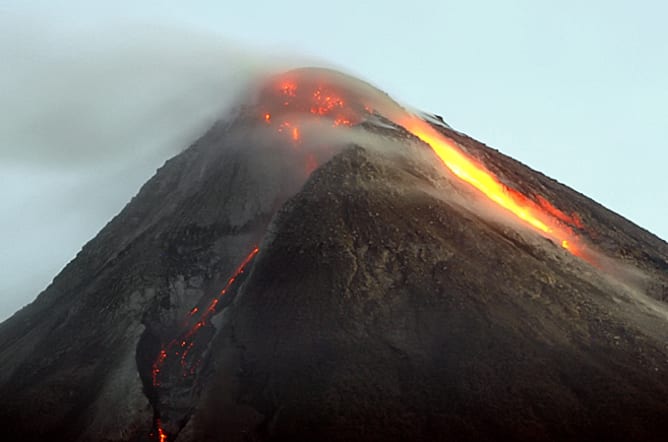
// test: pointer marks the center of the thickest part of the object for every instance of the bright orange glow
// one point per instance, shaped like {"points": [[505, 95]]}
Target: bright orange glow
{"points": [[573, 219], [323, 104], [303, 92], [342, 122], [293, 94], [289, 88], [155, 369], [162, 437], [476, 175]]}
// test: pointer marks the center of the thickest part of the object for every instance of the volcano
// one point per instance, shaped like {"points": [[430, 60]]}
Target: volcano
{"points": [[324, 264]]}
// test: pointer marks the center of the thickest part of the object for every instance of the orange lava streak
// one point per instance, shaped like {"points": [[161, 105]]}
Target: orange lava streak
{"points": [[288, 88], [573, 219], [301, 92], [240, 270], [184, 343], [184, 340], [162, 436], [467, 170], [155, 369]]}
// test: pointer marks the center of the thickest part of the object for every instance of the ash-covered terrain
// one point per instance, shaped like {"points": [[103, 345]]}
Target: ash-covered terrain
{"points": [[321, 265]]}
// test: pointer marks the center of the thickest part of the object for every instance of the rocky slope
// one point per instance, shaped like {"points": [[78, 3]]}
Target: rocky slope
{"points": [[381, 306]]}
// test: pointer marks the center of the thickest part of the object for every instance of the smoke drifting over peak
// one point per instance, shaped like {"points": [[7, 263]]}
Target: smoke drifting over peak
{"points": [[89, 117], [92, 122], [92, 113], [89, 104]]}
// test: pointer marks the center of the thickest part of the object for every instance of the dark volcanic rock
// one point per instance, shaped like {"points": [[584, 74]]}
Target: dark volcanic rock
{"points": [[379, 312], [71, 356], [381, 306]]}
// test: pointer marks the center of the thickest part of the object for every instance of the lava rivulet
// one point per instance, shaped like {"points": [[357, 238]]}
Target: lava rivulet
{"points": [[180, 349]]}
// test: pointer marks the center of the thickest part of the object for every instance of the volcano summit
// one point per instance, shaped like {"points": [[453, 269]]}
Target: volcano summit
{"points": [[324, 264]]}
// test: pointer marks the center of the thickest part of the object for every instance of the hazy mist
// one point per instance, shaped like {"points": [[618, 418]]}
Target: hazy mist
{"points": [[90, 119]]}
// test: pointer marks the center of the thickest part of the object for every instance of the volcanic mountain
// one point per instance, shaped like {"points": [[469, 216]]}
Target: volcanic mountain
{"points": [[324, 264]]}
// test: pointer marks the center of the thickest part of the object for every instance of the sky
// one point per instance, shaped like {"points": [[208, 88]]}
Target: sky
{"points": [[95, 95]]}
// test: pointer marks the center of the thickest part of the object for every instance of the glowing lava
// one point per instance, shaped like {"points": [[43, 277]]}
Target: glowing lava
{"points": [[287, 99], [180, 348], [162, 436], [543, 217], [323, 93]]}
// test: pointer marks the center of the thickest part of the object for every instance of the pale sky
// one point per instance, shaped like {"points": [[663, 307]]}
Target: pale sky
{"points": [[96, 94]]}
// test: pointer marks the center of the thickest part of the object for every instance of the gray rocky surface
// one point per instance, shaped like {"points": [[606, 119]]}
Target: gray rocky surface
{"points": [[379, 308]]}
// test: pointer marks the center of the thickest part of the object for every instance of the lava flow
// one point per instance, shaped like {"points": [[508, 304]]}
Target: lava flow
{"points": [[542, 216], [323, 93], [180, 349]]}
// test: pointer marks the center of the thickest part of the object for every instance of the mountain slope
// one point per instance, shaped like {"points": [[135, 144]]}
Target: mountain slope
{"points": [[387, 301], [377, 314]]}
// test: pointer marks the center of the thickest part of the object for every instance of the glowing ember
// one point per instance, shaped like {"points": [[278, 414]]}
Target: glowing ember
{"points": [[155, 371], [288, 88], [162, 436], [306, 93]]}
